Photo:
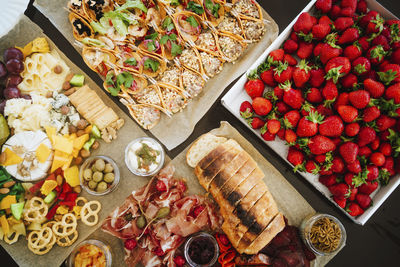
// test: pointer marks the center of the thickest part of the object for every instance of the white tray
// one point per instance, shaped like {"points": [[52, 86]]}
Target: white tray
{"points": [[236, 95]]}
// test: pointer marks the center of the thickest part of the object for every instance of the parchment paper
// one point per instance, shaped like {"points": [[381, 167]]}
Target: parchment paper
{"points": [[180, 125], [289, 201], [24, 32]]}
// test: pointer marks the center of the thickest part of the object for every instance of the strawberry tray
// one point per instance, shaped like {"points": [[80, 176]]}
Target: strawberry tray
{"points": [[236, 95]]}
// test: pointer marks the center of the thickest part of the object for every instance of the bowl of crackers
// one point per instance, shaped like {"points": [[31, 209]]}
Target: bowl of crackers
{"points": [[91, 252]]}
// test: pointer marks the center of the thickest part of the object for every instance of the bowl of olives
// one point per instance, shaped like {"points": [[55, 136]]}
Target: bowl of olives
{"points": [[99, 175]]}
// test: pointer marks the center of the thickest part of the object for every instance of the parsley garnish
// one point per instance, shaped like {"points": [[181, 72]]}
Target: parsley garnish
{"points": [[196, 8], [176, 49], [167, 24], [151, 64], [213, 8], [192, 21], [152, 36], [151, 46], [124, 78], [131, 61], [174, 3]]}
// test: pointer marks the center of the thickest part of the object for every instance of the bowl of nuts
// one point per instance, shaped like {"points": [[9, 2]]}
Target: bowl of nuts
{"points": [[99, 175]]}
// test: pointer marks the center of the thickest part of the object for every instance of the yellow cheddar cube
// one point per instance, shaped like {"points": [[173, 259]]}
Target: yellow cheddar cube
{"points": [[80, 141], [4, 224], [62, 210], [51, 132], [43, 153], [48, 186], [72, 176], [63, 144], [11, 157], [7, 201], [60, 159], [68, 163]]}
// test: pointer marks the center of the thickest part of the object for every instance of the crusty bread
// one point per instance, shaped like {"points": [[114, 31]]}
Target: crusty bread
{"points": [[201, 147]]}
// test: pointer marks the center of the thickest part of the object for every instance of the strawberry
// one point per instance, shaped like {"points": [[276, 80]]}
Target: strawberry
{"points": [[364, 43], [320, 144], [385, 149], [348, 151], [290, 60], [343, 23], [246, 110], [370, 75], [359, 99], [314, 95], [348, 113], [352, 129], [256, 123], [295, 156], [384, 135], [320, 31], [336, 68], [363, 200], [384, 122], [376, 89], [268, 77], [273, 126], [366, 136], [389, 166], [283, 72], [349, 81], [342, 99], [277, 55], [311, 167], [375, 25], [354, 209], [303, 24], [323, 5], [361, 65], [254, 87], [293, 36], [335, 12], [267, 136], [308, 126], [341, 202], [362, 7], [354, 167], [290, 46], [377, 158], [396, 56], [368, 187], [348, 7], [292, 97], [352, 52], [393, 92], [327, 180], [281, 107], [381, 40], [281, 133], [324, 110], [329, 91], [329, 52], [337, 165], [317, 49], [373, 172], [291, 119], [364, 151], [340, 190], [325, 20], [261, 106], [348, 36], [376, 54], [305, 50], [317, 77], [349, 179], [290, 136], [332, 126], [353, 194], [278, 92], [301, 74], [390, 73], [367, 18]]}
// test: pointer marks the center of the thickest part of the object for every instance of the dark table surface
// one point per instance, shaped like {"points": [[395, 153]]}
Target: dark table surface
{"points": [[375, 244]]}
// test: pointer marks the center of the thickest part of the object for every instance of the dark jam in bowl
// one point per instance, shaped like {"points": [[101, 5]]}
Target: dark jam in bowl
{"points": [[201, 250]]}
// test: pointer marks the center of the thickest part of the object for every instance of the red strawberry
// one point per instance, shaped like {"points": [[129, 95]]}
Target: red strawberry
{"points": [[364, 151], [354, 167], [385, 149], [352, 129], [317, 77], [281, 133], [368, 187], [343, 23], [283, 72], [261, 106], [267, 136], [295, 156], [325, 20], [301, 74], [375, 25], [349, 179], [290, 136], [342, 99], [390, 73], [256, 123], [371, 75], [359, 99], [314, 95], [317, 49], [268, 77], [348, 36], [376, 54], [389, 165], [393, 92], [348, 113], [320, 159], [385, 122], [281, 107], [352, 52], [294, 37], [254, 87], [332, 126], [366, 136], [320, 31], [323, 110], [352, 195], [320, 145], [361, 65], [290, 46], [273, 126], [291, 119], [364, 43], [371, 113], [354, 210], [376, 89], [308, 126], [335, 12], [341, 202], [278, 92], [329, 91], [329, 52], [377, 158], [362, 7], [304, 23], [305, 50], [396, 56], [381, 40], [373, 172], [349, 81], [367, 18], [290, 60], [337, 165], [311, 167], [349, 151], [277, 55], [292, 97], [339, 190], [384, 135], [348, 7], [246, 110], [363, 200], [327, 180], [323, 5], [336, 68]]}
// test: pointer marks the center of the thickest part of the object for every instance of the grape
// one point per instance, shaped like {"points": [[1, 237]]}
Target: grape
{"points": [[13, 80], [2, 105], [27, 97], [13, 52], [11, 92], [3, 70], [15, 66]]}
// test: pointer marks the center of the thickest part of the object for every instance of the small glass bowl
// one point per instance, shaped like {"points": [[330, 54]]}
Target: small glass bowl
{"points": [[305, 229], [105, 248], [194, 238], [158, 147], [89, 161]]}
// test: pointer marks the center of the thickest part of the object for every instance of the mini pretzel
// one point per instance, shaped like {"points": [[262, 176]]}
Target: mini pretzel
{"points": [[88, 215], [66, 241], [33, 237], [79, 203], [14, 237], [35, 210], [66, 227]]}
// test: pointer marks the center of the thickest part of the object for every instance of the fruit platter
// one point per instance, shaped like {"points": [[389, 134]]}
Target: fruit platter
{"points": [[331, 99]]}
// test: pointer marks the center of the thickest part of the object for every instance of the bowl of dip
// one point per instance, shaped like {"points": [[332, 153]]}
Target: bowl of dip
{"points": [[201, 250], [144, 156], [90, 252]]}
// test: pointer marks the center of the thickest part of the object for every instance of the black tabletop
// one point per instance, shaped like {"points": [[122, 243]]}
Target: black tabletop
{"points": [[377, 243]]}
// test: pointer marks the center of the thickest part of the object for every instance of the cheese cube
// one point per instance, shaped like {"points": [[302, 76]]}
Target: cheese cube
{"points": [[63, 144], [42, 153]]}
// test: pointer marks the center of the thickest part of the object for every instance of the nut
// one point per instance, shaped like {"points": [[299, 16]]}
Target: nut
{"points": [[95, 145], [57, 69], [77, 189], [69, 92], [3, 157], [81, 124], [78, 160], [84, 153], [66, 85], [4, 191], [72, 129], [80, 133], [69, 77], [65, 110], [9, 184], [59, 180], [49, 94]]}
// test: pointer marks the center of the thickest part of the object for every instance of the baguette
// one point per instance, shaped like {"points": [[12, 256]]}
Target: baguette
{"points": [[201, 147]]}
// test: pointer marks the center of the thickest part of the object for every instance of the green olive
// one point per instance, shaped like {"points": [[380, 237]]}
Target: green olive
{"points": [[108, 168], [92, 185], [109, 177], [87, 174], [102, 186], [100, 164], [94, 169], [141, 222], [97, 176], [163, 212]]}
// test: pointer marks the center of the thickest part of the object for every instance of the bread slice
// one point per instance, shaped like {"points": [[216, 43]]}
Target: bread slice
{"points": [[201, 147], [105, 118], [215, 153]]}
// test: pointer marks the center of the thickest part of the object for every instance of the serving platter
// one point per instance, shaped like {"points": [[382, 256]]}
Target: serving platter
{"points": [[10, 14]]}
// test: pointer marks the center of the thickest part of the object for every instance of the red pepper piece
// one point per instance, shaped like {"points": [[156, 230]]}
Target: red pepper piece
{"points": [[66, 188], [36, 187], [51, 177], [59, 171], [69, 204], [52, 211], [71, 197]]}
